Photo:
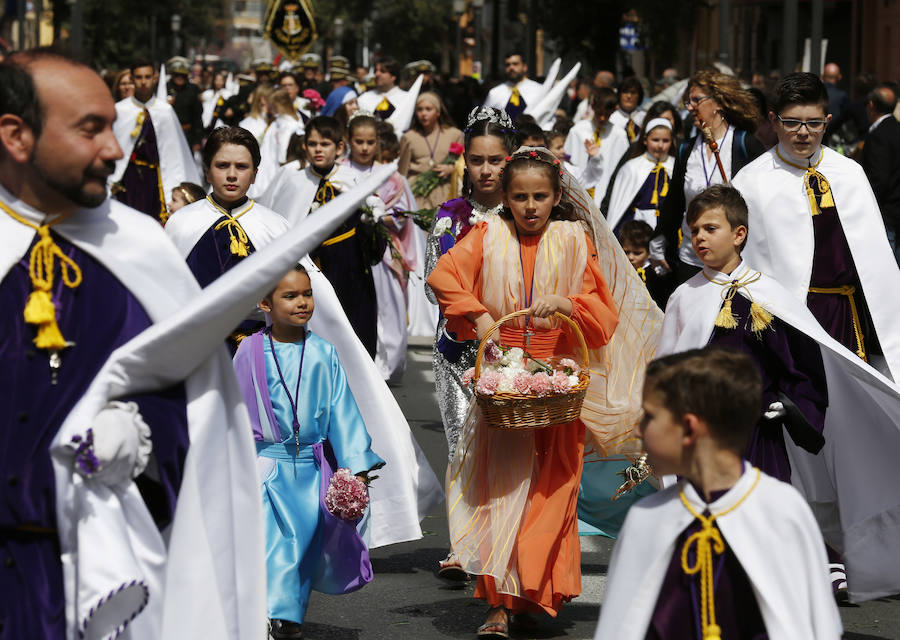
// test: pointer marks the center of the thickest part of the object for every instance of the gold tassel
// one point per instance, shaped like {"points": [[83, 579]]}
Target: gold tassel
{"points": [[811, 195], [238, 248], [140, 123], [39, 309], [760, 319], [712, 632], [49, 337], [825, 188], [725, 319], [514, 99], [665, 190]]}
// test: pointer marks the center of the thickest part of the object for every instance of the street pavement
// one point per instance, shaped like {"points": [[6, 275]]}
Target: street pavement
{"points": [[407, 601]]}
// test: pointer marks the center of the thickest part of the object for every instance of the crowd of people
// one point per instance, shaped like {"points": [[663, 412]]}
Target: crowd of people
{"points": [[210, 279]]}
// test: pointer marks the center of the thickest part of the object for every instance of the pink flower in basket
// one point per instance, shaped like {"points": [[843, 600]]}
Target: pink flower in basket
{"points": [[541, 383], [347, 496], [522, 383], [467, 376], [560, 382], [492, 353], [457, 149], [488, 383], [315, 98], [568, 363]]}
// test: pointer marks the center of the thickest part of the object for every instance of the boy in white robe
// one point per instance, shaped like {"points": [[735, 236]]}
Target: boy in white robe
{"points": [[728, 551], [839, 414], [817, 228]]}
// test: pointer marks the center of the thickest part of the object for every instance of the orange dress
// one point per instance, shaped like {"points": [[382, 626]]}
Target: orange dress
{"points": [[544, 563]]}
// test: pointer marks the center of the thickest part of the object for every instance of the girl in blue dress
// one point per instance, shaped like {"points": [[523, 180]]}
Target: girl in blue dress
{"points": [[306, 425]]}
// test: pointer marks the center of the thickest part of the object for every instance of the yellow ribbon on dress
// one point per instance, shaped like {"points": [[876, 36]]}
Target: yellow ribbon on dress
{"points": [[240, 243], [325, 193], [384, 105], [39, 309], [848, 290], [597, 138], [658, 193], [707, 540], [827, 199], [515, 99], [759, 317], [642, 273]]}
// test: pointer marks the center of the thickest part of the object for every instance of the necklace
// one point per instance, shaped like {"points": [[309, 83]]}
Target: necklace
{"points": [[709, 176], [433, 150], [481, 213], [295, 399], [529, 296]]}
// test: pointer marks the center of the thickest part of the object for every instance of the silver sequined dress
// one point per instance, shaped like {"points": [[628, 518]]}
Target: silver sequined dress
{"points": [[453, 396]]}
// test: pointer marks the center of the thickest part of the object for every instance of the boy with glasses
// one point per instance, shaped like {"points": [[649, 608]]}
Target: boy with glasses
{"points": [[817, 228]]}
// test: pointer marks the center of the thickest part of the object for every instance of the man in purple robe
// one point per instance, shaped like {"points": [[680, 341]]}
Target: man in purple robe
{"points": [[65, 310]]}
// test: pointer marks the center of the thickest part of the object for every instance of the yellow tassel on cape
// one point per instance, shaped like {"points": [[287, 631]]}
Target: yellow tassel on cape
{"points": [[40, 309], [725, 319], [760, 319], [238, 248], [712, 632], [49, 337], [827, 201]]}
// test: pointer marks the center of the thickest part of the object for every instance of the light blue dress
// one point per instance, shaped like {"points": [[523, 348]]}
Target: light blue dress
{"points": [[294, 520]]}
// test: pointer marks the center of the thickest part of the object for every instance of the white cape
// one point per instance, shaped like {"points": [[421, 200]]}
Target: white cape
{"points": [[628, 182], [773, 535], [595, 172], [544, 111], [781, 241], [850, 484], [207, 581], [273, 150], [372, 98], [175, 158], [530, 90], [292, 190]]}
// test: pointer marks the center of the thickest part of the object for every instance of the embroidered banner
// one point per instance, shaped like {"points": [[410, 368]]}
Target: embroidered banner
{"points": [[291, 26]]}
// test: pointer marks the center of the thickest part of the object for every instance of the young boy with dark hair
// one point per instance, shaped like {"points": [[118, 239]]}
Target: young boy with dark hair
{"points": [[728, 551], [628, 114], [595, 146], [346, 258], [813, 389], [634, 236], [818, 230]]}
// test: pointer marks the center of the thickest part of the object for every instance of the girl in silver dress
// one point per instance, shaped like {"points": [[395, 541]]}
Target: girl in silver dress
{"points": [[489, 138]]}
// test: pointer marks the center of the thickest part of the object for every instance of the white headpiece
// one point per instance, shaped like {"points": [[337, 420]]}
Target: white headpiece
{"points": [[497, 116], [658, 122]]}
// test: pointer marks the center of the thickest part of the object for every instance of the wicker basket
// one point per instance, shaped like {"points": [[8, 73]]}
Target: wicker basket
{"points": [[529, 411]]}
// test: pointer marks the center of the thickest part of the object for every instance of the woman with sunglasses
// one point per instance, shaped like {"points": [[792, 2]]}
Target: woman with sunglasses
{"points": [[718, 103]]}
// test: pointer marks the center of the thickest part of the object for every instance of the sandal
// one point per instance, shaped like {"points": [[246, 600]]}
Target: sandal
{"points": [[451, 569], [494, 629]]}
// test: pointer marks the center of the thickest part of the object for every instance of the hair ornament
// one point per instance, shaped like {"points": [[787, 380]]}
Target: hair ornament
{"points": [[497, 116], [541, 154], [359, 113]]}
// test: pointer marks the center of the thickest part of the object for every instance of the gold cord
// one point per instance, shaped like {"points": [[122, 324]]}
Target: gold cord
{"points": [[708, 540], [39, 309], [760, 318], [848, 290], [240, 243], [827, 199]]}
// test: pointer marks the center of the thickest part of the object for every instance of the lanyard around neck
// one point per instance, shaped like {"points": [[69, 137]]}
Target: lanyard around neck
{"points": [[295, 399]]}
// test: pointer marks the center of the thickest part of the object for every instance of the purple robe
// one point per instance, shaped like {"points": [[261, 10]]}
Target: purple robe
{"points": [[833, 267], [99, 316], [677, 614], [789, 363], [142, 181], [641, 201], [348, 266]]}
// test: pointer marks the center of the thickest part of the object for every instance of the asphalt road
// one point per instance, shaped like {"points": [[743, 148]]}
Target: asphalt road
{"points": [[407, 601]]}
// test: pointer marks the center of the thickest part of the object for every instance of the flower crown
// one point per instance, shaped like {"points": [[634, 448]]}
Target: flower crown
{"points": [[533, 153], [497, 116]]}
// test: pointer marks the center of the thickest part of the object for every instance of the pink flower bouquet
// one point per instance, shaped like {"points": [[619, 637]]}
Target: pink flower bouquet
{"points": [[347, 496], [513, 370]]}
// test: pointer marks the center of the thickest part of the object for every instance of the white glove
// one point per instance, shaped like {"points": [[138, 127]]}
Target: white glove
{"points": [[658, 248], [376, 204], [776, 410], [121, 445]]}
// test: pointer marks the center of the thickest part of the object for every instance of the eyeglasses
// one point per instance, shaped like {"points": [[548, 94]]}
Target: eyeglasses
{"points": [[696, 100], [793, 126]]}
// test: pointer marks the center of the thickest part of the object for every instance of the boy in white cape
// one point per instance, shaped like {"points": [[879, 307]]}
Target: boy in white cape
{"points": [[728, 551], [840, 414]]}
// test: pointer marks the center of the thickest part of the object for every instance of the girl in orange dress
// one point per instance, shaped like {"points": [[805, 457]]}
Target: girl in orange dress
{"points": [[512, 493]]}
